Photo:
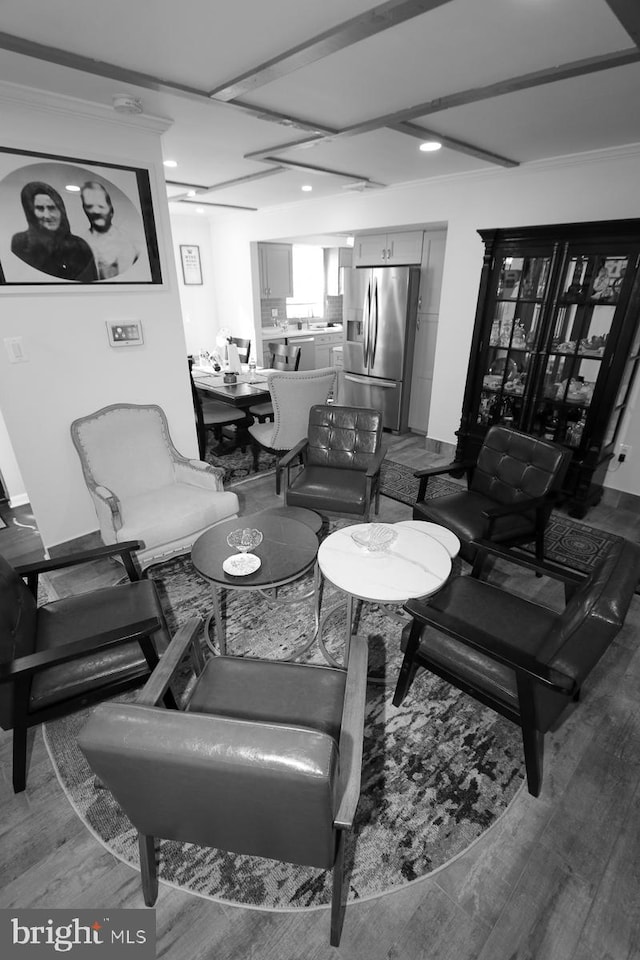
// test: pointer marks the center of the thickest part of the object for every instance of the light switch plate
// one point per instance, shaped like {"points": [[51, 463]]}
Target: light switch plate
{"points": [[15, 350], [126, 333]]}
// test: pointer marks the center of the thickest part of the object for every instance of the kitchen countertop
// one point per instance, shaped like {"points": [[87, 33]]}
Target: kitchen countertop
{"points": [[277, 333]]}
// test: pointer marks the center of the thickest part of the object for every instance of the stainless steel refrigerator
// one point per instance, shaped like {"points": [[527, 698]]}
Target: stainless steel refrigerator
{"points": [[380, 306]]}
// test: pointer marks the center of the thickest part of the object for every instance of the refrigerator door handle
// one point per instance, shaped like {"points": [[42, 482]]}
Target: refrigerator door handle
{"points": [[371, 381], [366, 319], [374, 313]]}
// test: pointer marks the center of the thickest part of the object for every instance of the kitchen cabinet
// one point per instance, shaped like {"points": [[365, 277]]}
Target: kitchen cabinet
{"points": [[556, 343], [276, 270], [387, 249], [324, 344]]}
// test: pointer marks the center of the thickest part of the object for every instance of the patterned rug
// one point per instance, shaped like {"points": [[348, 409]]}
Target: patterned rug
{"points": [[573, 544], [438, 771], [239, 466]]}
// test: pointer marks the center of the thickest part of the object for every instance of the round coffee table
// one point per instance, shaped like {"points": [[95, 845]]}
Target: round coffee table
{"points": [[288, 551], [414, 565]]}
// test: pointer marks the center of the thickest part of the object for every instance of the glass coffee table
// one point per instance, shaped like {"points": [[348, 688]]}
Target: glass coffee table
{"points": [[413, 563], [287, 552]]}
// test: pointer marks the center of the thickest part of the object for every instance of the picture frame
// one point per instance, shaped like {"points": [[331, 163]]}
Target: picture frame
{"points": [[191, 265], [68, 222]]}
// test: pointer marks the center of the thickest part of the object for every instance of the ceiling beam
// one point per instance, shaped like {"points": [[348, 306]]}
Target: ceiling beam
{"points": [[421, 133], [322, 171], [628, 13], [345, 34]]}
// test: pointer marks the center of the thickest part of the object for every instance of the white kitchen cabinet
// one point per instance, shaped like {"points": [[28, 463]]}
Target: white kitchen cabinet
{"points": [[276, 270], [324, 344], [388, 249]]}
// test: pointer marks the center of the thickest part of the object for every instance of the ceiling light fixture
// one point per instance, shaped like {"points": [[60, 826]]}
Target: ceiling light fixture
{"points": [[307, 188], [170, 163], [127, 104], [72, 188], [430, 145], [191, 193]]}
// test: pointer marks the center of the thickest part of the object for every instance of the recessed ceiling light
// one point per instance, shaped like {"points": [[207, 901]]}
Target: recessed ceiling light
{"points": [[307, 188], [430, 145], [72, 188], [170, 163], [191, 193], [199, 209]]}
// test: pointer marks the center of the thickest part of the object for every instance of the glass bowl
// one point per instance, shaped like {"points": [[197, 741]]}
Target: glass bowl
{"points": [[244, 540], [374, 537]]}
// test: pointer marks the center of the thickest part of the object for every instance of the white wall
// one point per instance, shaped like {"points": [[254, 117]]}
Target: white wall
{"points": [[71, 369], [598, 186]]}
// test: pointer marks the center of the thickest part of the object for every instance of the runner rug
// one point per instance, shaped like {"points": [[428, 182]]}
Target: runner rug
{"points": [[438, 771]]}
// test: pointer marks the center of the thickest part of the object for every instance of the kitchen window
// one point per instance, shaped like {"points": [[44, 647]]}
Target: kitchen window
{"points": [[308, 282]]}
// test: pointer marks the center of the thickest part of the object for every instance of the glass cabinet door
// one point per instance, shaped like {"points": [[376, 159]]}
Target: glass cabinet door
{"points": [[582, 321], [513, 337]]}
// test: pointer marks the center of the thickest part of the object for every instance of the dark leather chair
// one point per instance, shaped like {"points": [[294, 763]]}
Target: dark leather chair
{"points": [[60, 657], [283, 357], [341, 456], [511, 490], [244, 348], [265, 759], [214, 415], [525, 661]]}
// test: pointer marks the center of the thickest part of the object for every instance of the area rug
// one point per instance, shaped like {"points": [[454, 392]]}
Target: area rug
{"points": [[438, 771], [238, 465], [568, 542]]}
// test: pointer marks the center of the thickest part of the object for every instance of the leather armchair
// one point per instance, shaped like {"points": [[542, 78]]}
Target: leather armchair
{"points": [[264, 759], [60, 657], [141, 487], [511, 490], [342, 455], [525, 661]]}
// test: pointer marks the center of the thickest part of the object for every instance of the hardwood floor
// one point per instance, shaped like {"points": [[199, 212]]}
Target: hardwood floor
{"points": [[557, 878]]}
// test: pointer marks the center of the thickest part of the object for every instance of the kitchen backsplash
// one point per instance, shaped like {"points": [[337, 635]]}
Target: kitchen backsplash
{"points": [[332, 314]]}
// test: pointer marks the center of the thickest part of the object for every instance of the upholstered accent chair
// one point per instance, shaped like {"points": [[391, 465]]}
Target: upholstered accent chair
{"points": [[511, 490], [264, 759], [142, 488], [66, 654], [292, 395], [516, 656], [283, 357], [342, 455]]}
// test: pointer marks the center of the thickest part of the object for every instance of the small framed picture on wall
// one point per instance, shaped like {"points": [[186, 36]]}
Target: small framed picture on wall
{"points": [[191, 267]]}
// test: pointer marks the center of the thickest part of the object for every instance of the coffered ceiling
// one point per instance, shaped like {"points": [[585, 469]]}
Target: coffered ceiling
{"points": [[268, 96]]}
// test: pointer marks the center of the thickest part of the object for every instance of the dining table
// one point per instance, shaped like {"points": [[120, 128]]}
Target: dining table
{"points": [[251, 387]]}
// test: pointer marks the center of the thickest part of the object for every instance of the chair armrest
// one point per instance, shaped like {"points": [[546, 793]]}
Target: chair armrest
{"points": [[32, 662], [124, 549], [458, 466], [547, 567], [200, 474], [110, 500], [376, 463], [159, 682], [352, 732], [293, 453], [490, 646]]}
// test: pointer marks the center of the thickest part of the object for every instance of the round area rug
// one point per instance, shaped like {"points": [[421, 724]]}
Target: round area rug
{"points": [[437, 772]]}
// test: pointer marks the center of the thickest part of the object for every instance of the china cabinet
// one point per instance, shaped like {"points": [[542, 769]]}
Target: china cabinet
{"points": [[556, 343]]}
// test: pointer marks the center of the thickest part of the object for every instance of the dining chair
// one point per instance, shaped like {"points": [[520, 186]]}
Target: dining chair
{"points": [[244, 348], [292, 395], [264, 759], [342, 456], [59, 657], [142, 488], [283, 357], [213, 415], [512, 487]]}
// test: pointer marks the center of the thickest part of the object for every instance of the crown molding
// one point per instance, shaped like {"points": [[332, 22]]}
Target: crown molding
{"points": [[43, 101]]}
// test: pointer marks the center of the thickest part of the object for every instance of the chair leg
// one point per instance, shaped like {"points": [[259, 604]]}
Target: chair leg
{"points": [[255, 451], [409, 666], [533, 742], [148, 868], [337, 907], [19, 758], [278, 476]]}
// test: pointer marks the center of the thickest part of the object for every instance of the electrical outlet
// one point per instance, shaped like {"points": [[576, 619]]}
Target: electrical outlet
{"points": [[15, 350], [624, 452]]}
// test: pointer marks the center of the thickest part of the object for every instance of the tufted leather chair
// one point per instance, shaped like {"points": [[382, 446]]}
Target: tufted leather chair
{"points": [[342, 455], [511, 490], [265, 759], [61, 656], [524, 660]]}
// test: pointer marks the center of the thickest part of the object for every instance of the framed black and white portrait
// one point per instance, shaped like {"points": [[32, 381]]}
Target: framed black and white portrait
{"points": [[70, 222]]}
